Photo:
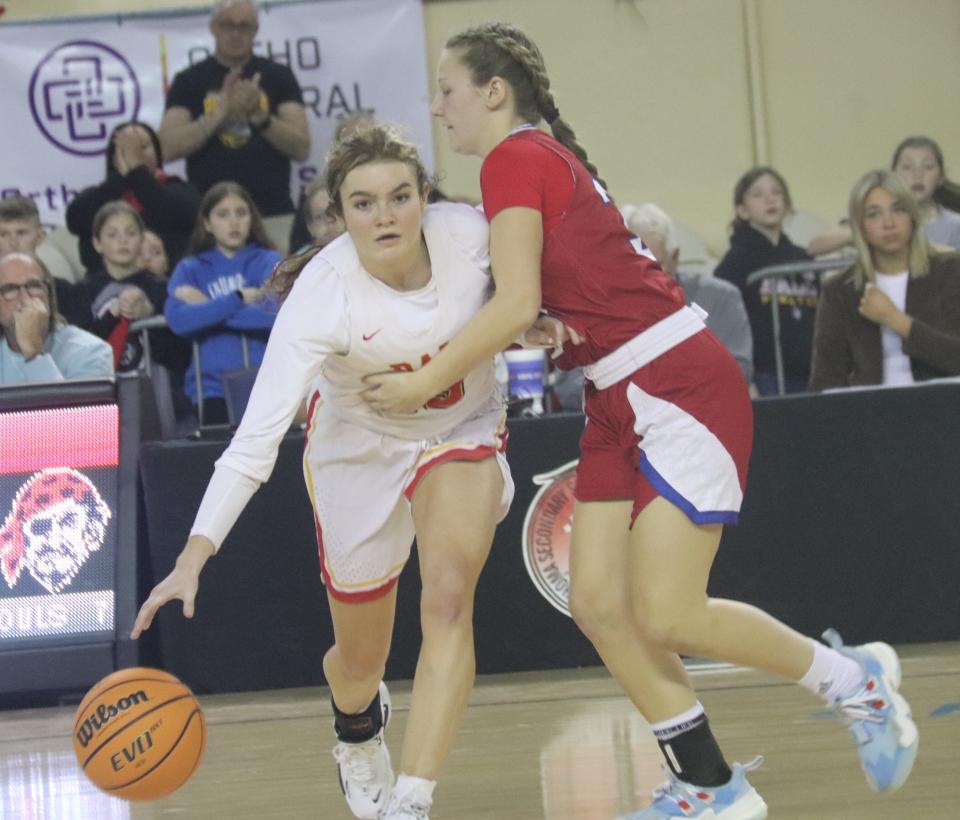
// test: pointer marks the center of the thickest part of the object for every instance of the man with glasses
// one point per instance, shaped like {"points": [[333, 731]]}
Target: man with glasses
{"points": [[238, 116], [37, 344]]}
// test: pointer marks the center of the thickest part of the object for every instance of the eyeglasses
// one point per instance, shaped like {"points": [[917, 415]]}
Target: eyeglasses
{"points": [[236, 28], [34, 287]]}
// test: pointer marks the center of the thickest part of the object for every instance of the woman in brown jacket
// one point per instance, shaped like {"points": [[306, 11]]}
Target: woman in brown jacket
{"points": [[893, 318]]}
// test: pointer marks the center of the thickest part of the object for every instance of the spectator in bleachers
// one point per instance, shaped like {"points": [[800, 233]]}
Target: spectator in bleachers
{"points": [[21, 231], [135, 175], [122, 291], [349, 124], [20, 227], [894, 317], [153, 255], [761, 202], [918, 161], [315, 225], [38, 345], [216, 296], [237, 116], [722, 301]]}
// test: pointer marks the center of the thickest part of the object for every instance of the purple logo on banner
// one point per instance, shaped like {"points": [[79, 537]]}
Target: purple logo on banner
{"points": [[79, 92]]}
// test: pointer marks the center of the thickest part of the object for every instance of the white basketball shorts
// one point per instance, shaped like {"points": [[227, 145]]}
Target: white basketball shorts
{"points": [[361, 484]]}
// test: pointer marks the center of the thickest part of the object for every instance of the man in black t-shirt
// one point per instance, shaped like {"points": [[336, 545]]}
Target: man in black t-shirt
{"points": [[236, 116]]}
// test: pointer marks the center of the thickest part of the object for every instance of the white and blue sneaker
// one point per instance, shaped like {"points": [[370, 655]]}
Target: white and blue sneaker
{"points": [[366, 775], [735, 800], [878, 716]]}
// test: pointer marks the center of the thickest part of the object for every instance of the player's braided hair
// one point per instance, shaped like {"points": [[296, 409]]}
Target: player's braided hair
{"points": [[503, 50], [375, 143]]}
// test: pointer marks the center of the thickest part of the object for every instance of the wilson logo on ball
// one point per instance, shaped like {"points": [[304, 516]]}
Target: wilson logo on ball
{"points": [[104, 714]]}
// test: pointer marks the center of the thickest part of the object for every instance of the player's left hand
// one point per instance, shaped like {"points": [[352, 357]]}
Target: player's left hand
{"points": [[549, 332], [395, 393]]}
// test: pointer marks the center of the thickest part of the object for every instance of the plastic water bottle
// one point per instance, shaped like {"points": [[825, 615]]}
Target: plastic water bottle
{"points": [[525, 376]]}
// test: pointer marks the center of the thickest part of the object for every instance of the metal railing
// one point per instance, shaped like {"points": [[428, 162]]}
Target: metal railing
{"points": [[142, 326], [777, 272]]}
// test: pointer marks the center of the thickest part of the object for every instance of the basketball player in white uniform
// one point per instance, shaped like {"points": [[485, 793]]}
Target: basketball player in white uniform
{"points": [[386, 296]]}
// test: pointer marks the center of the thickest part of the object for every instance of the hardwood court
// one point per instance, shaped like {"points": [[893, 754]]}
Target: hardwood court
{"points": [[560, 745]]}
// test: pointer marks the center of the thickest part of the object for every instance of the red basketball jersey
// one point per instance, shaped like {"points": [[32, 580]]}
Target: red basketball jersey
{"points": [[596, 276]]}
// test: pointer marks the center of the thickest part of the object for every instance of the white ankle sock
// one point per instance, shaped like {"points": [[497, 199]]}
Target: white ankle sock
{"points": [[832, 675], [418, 787]]}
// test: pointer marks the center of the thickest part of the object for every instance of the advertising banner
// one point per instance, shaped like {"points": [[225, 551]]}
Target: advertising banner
{"points": [[58, 502], [67, 85]]}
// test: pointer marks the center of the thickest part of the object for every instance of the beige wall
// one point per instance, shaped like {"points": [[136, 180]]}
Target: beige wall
{"points": [[674, 99]]}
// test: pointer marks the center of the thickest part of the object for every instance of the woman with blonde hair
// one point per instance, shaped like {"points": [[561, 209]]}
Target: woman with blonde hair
{"points": [[893, 318]]}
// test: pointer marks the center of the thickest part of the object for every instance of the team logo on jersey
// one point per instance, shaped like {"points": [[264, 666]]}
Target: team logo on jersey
{"points": [[547, 529], [58, 519]]}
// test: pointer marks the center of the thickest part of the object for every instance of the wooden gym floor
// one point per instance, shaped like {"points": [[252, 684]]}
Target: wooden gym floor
{"points": [[559, 745]]}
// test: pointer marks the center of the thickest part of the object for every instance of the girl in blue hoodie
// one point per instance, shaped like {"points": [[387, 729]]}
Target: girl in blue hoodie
{"points": [[216, 294]]}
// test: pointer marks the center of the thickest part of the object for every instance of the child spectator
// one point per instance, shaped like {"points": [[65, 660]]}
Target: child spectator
{"points": [[761, 202], [134, 174], [918, 161], [122, 292], [153, 255], [20, 228], [314, 225], [216, 295], [21, 231]]}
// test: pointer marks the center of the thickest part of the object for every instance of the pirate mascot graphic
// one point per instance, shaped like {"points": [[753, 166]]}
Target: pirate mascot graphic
{"points": [[58, 519]]}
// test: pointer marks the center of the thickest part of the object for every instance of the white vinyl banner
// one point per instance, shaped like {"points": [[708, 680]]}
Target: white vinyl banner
{"points": [[66, 85]]}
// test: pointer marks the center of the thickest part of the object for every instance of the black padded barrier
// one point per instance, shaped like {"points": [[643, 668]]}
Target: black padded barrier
{"points": [[851, 520]]}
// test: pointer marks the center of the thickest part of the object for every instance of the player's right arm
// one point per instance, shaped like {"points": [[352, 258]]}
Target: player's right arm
{"points": [[313, 323], [182, 583]]}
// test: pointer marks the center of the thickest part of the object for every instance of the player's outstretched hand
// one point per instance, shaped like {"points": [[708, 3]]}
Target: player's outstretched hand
{"points": [[181, 583]]}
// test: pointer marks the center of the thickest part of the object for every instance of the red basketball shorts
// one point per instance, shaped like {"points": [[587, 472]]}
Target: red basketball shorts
{"points": [[680, 427]]}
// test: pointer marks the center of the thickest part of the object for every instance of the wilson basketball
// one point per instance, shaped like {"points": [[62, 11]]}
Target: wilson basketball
{"points": [[139, 734]]}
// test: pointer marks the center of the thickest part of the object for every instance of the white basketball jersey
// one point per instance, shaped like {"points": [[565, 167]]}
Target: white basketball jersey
{"points": [[339, 324], [456, 237]]}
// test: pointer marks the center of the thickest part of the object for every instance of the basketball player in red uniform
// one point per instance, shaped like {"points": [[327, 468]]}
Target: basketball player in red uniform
{"points": [[667, 442]]}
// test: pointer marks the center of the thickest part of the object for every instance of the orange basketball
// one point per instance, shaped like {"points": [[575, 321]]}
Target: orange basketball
{"points": [[139, 734]]}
